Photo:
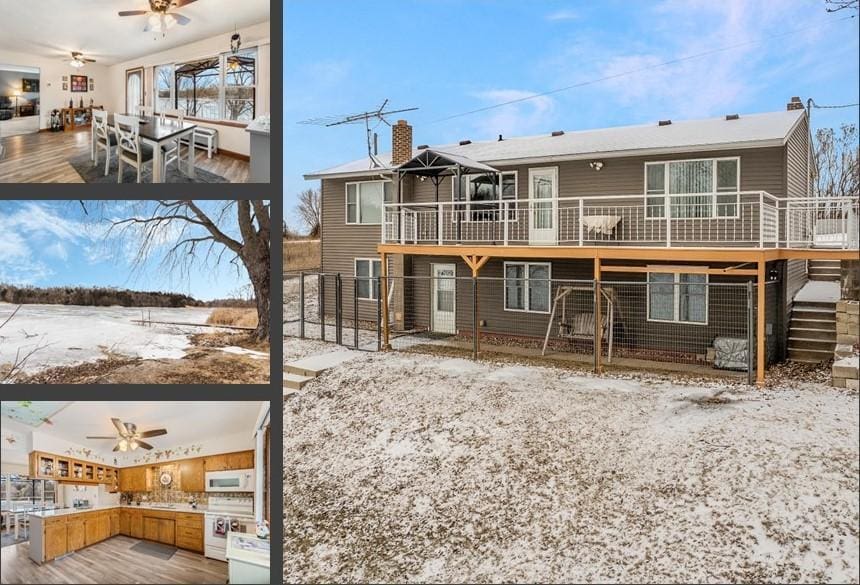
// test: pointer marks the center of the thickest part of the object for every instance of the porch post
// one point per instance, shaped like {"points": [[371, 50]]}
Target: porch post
{"points": [[598, 329], [458, 191], [667, 210], [400, 210], [760, 219], [581, 211], [384, 294], [760, 324]]}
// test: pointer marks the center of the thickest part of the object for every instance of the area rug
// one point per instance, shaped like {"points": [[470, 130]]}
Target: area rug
{"points": [[96, 174], [155, 549]]}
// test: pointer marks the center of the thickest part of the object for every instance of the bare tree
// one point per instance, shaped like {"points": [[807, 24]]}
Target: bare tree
{"points": [[836, 170], [194, 235], [837, 5], [309, 211]]}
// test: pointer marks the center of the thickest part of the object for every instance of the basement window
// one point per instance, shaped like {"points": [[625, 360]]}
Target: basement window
{"points": [[678, 298], [527, 286], [367, 278]]}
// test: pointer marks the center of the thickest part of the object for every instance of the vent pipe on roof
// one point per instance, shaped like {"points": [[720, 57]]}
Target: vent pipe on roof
{"points": [[664, 122], [732, 116], [558, 133], [423, 146], [500, 138], [465, 142]]}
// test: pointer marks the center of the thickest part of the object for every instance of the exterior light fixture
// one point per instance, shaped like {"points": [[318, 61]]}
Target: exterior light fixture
{"points": [[596, 165], [235, 42]]}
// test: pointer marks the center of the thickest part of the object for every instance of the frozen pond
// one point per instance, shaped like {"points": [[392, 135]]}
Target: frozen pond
{"points": [[70, 334]]}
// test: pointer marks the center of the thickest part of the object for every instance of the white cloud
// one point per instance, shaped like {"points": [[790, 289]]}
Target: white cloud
{"points": [[57, 250], [560, 15], [524, 117]]}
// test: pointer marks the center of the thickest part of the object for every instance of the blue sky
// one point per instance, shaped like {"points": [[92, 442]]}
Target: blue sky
{"points": [[54, 243], [451, 56]]}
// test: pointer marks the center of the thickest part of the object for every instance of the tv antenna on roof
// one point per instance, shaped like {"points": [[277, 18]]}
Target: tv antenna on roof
{"points": [[377, 115]]}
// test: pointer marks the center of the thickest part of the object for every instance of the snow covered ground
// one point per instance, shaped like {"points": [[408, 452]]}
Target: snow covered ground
{"points": [[415, 468], [819, 291], [73, 334]]}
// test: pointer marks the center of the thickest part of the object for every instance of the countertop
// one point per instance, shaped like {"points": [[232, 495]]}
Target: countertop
{"points": [[69, 511], [260, 125], [246, 548]]}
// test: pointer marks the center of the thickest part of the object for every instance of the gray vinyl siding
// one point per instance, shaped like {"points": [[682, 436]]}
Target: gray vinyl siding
{"points": [[797, 160]]}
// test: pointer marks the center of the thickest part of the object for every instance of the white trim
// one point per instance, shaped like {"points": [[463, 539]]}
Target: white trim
{"points": [[358, 205], [370, 278], [526, 282], [676, 298], [713, 193], [434, 290]]}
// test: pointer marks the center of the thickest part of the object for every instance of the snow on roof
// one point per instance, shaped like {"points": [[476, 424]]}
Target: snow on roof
{"points": [[767, 129]]}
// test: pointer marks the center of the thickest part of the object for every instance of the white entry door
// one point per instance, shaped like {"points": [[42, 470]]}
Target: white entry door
{"points": [[444, 299], [133, 90], [543, 208]]}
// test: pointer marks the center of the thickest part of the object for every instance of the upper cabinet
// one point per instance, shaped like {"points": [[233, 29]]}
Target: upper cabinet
{"points": [[66, 469], [192, 475], [230, 461]]}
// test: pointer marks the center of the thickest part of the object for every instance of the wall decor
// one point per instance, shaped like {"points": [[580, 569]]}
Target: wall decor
{"points": [[30, 85], [65, 86], [165, 454], [84, 453], [79, 83], [65, 77], [92, 85]]}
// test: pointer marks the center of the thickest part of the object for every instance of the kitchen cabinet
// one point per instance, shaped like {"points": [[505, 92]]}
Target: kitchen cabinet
{"points": [[91, 529], [230, 461], [104, 525], [189, 531], [159, 528], [75, 534], [124, 522], [136, 524], [42, 465], [132, 479], [56, 540], [114, 522], [166, 531], [150, 528], [192, 475]]}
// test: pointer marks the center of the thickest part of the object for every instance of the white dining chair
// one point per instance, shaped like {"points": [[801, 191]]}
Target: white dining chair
{"points": [[104, 137], [130, 149], [172, 152]]}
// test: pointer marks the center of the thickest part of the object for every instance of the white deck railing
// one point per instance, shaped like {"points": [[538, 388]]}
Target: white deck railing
{"points": [[745, 219]]}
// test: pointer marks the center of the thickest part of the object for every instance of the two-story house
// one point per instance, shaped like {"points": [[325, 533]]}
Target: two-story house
{"points": [[678, 206]]}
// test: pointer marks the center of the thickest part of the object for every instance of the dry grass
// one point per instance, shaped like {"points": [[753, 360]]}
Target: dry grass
{"points": [[233, 317], [301, 255]]}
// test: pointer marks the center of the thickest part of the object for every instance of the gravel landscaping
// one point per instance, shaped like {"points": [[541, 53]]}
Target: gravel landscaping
{"points": [[414, 468]]}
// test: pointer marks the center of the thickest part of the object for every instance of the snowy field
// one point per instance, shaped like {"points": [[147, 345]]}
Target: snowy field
{"points": [[414, 468], [68, 334]]}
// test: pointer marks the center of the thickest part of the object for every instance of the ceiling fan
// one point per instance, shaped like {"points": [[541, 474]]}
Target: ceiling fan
{"points": [[78, 60], [129, 438], [159, 16]]}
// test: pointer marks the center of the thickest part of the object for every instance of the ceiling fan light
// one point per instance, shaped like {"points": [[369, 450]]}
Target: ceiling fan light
{"points": [[76, 64], [133, 444], [123, 445]]}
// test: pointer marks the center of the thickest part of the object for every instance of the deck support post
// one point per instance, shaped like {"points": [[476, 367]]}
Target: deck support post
{"points": [[301, 305], [475, 263], [386, 343], [760, 323], [598, 319]]}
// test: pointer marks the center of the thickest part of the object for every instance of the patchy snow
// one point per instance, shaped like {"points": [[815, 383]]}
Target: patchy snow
{"points": [[70, 334], [254, 355], [852, 361], [406, 467], [819, 291]]}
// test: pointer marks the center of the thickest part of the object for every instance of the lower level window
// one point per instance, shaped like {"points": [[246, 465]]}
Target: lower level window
{"points": [[678, 298], [527, 286], [366, 278]]}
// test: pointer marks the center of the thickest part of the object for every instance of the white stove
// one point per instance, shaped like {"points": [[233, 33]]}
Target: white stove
{"points": [[225, 515]]}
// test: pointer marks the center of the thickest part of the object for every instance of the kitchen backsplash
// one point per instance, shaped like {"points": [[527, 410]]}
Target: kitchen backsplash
{"points": [[173, 497]]}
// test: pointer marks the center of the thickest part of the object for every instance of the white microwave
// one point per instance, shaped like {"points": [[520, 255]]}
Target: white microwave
{"points": [[239, 480]]}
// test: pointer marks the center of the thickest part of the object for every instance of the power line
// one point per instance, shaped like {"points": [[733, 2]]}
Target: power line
{"points": [[641, 69], [814, 105]]}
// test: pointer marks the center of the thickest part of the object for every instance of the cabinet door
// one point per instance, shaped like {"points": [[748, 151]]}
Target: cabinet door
{"points": [[192, 476], [55, 540], [91, 528], [150, 528], [241, 460], [124, 524], [216, 463], [104, 526], [136, 524], [114, 523], [166, 531], [75, 535]]}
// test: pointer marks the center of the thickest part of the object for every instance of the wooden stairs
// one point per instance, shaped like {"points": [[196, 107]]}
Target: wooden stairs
{"points": [[812, 332]]}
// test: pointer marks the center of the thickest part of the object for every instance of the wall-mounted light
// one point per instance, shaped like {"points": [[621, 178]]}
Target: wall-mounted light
{"points": [[596, 165]]}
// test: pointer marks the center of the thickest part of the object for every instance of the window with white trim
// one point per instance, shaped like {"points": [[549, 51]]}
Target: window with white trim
{"points": [[678, 298], [527, 286], [367, 278], [364, 201], [222, 87], [484, 191], [699, 188]]}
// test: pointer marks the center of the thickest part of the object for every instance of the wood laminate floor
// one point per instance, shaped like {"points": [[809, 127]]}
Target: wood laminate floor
{"points": [[44, 157], [109, 561]]}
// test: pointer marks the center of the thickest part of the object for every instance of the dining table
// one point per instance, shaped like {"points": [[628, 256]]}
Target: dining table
{"points": [[156, 132]]}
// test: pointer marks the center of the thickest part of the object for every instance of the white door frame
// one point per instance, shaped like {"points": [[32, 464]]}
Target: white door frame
{"points": [[543, 237], [433, 289]]}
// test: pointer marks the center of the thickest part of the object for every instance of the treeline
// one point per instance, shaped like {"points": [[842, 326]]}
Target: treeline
{"points": [[231, 303], [93, 297]]}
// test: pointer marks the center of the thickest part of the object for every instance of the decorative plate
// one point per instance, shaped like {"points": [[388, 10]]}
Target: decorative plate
{"points": [[165, 478]]}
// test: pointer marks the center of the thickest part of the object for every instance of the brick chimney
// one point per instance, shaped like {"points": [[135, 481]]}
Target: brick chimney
{"points": [[794, 104], [401, 143]]}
